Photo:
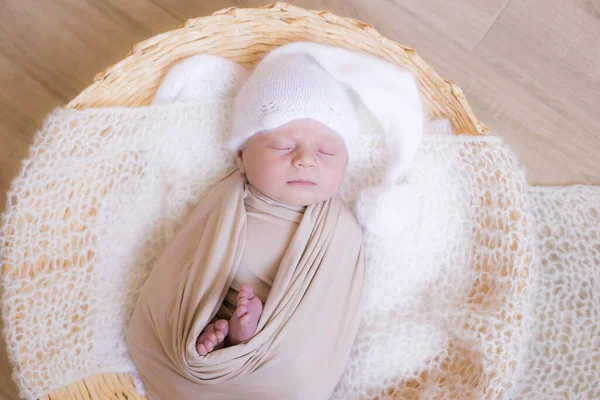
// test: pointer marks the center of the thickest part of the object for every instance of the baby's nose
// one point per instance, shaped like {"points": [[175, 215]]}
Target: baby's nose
{"points": [[304, 159]]}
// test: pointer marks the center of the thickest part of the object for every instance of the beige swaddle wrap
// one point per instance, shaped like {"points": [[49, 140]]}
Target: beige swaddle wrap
{"points": [[309, 320], [267, 222]]}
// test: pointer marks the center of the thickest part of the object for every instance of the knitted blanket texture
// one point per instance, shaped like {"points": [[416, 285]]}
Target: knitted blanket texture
{"points": [[495, 291]]}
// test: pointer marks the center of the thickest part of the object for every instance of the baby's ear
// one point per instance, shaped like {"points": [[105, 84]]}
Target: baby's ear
{"points": [[240, 161]]}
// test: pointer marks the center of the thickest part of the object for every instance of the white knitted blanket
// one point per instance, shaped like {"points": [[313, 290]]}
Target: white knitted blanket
{"points": [[103, 191]]}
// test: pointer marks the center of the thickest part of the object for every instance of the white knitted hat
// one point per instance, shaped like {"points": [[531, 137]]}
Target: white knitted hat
{"points": [[282, 89], [309, 80]]}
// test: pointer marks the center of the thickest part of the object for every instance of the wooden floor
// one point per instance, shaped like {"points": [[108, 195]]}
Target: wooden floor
{"points": [[530, 68]]}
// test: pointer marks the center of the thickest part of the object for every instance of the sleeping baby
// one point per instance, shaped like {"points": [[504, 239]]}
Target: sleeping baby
{"points": [[260, 293], [288, 168]]}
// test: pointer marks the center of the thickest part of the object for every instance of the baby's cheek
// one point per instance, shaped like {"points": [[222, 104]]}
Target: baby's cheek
{"points": [[274, 171], [279, 167], [338, 175], [330, 185]]}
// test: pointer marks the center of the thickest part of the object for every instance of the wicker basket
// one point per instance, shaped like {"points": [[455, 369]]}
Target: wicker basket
{"points": [[245, 36]]}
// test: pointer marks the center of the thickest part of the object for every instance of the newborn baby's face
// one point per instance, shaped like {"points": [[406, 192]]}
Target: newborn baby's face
{"points": [[300, 163]]}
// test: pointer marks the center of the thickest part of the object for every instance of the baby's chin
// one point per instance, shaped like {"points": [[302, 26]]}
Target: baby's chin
{"points": [[301, 198], [296, 195]]}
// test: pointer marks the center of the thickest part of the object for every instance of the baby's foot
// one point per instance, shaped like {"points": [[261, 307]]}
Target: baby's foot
{"points": [[212, 337], [242, 324]]}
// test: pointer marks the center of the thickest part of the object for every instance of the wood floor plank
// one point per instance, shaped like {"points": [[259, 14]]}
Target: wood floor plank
{"points": [[185, 9], [464, 21], [552, 47], [192, 8], [148, 16], [64, 44], [555, 149], [23, 104]]}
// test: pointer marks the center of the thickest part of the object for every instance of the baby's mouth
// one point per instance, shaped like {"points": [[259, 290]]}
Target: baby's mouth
{"points": [[301, 182]]}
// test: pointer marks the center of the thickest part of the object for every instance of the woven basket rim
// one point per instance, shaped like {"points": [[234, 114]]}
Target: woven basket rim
{"points": [[238, 14]]}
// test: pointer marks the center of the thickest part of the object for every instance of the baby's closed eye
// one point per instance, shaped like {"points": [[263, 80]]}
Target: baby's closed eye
{"points": [[281, 148], [327, 151], [281, 145]]}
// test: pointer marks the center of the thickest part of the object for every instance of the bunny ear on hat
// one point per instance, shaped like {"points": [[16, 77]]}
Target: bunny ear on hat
{"points": [[392, 96], [200, 78]]}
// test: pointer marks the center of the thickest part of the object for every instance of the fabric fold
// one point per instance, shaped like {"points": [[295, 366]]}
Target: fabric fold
{"points": [[309, 320]]}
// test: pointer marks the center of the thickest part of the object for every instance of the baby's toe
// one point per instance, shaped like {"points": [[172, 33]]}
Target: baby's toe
{"points": [[222, 326], [246, 291], [241, 311], [209, 345], [212, 337], [245, 287], [201, 350], [209, 328]]}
